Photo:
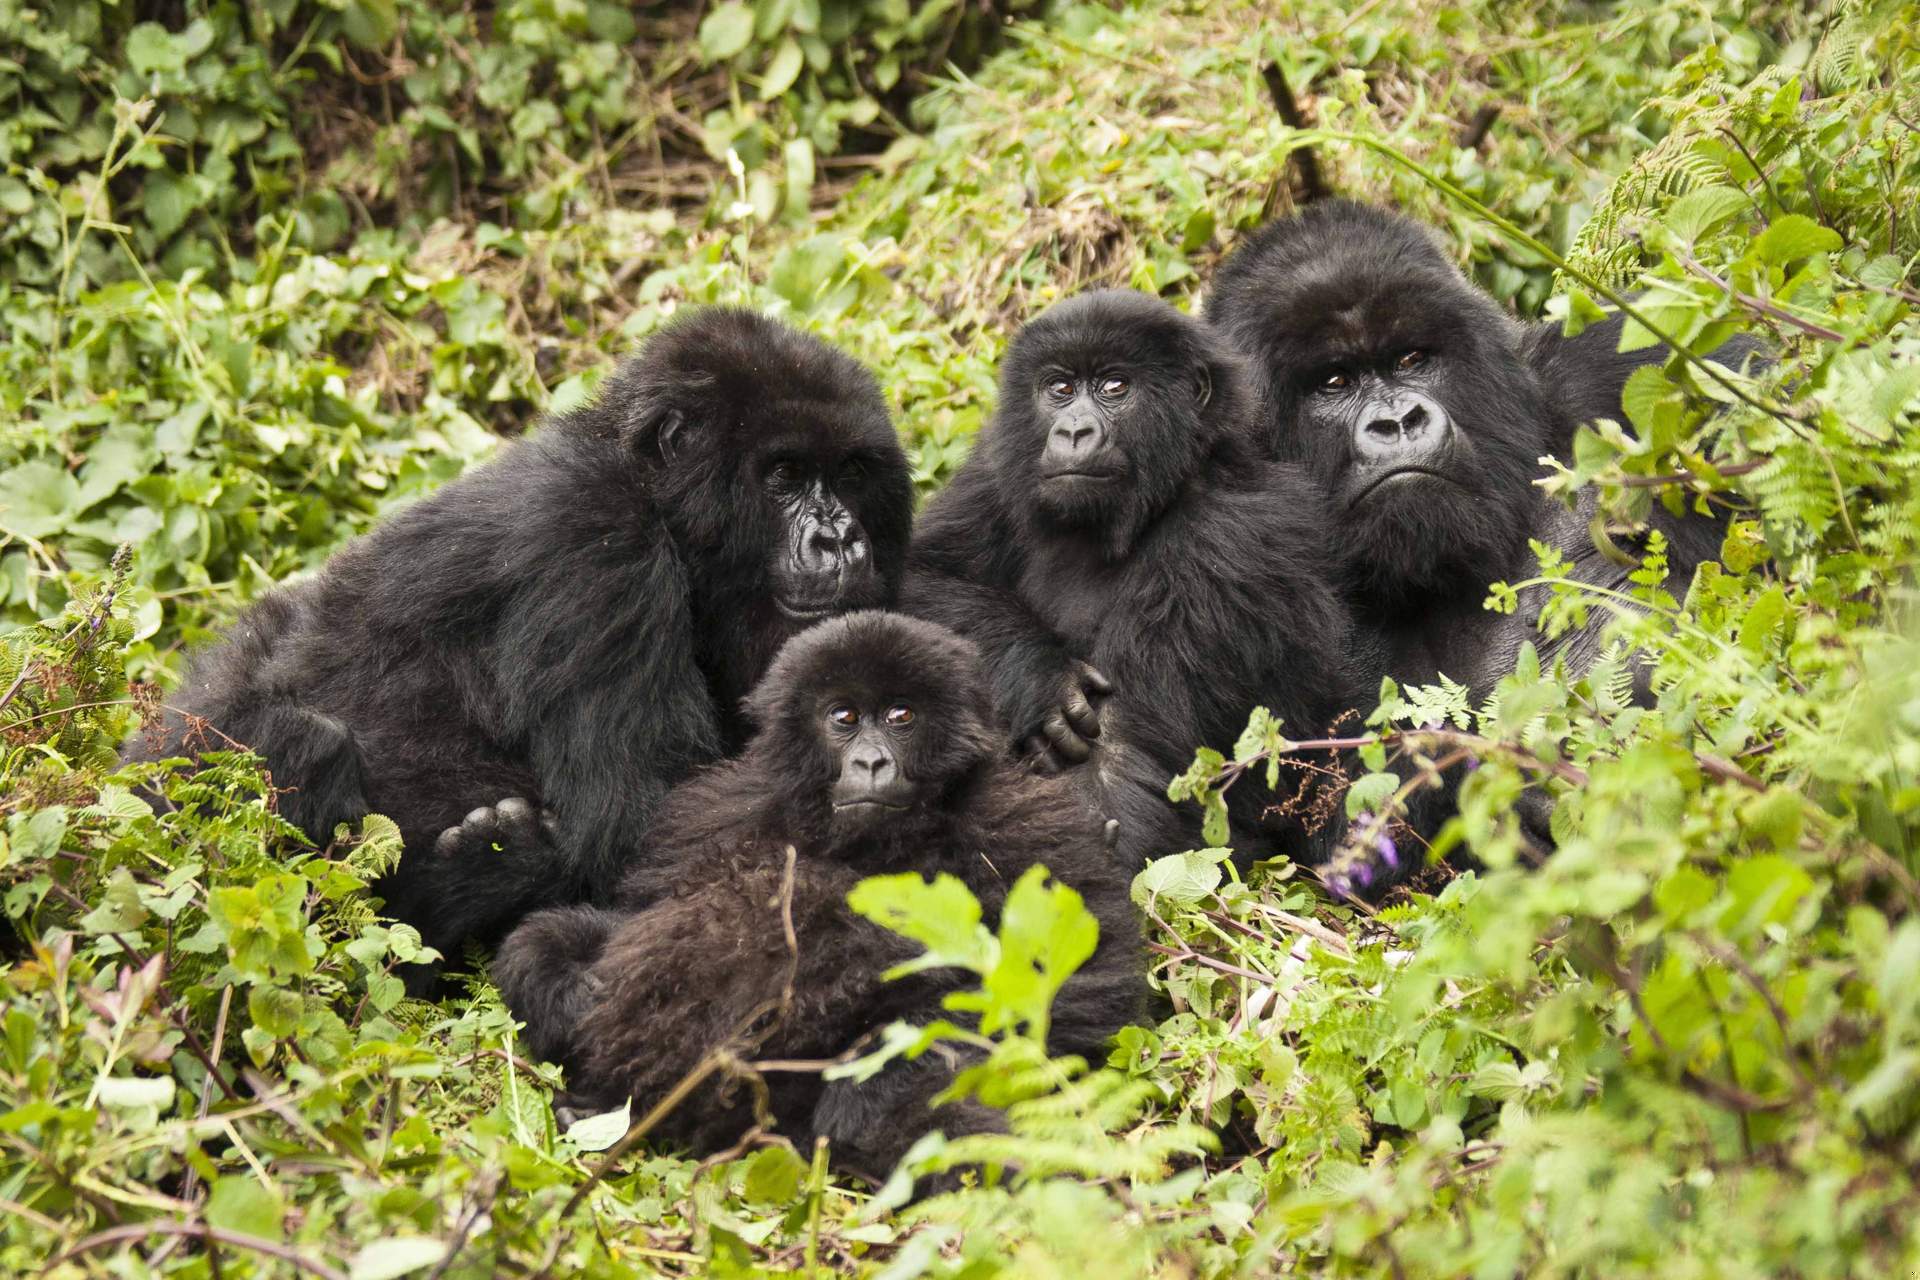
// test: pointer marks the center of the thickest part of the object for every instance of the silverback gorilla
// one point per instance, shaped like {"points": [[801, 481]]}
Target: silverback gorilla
{"points": [[876, 754], [1423, 411], [1135, 573], [574, 622]]}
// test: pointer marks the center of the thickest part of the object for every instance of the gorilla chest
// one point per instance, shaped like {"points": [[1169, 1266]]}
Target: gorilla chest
{"points": [[1075, 594]]}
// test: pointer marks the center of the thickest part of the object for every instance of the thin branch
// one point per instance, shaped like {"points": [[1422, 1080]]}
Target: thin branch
{"points": [[1760, 305], [141, 1230], [1306, 168]]}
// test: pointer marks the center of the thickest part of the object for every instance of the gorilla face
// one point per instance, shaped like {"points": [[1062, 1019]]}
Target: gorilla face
{"points": [[1400, 388], [784, 486], [875, 718], [1109, 402]]}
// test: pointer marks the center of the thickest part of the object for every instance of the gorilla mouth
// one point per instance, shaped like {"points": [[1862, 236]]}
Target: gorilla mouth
{"points": [[806, 612], [843, 806], [1399, 473]]}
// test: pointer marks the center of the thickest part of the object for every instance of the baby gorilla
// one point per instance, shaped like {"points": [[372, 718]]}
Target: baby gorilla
{"points": [[875, 754]]}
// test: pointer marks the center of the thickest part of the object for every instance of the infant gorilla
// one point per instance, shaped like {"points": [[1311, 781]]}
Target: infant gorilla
{"points": [[876, 753]]}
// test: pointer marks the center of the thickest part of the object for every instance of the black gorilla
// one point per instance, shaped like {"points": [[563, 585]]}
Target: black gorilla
{"points": [[1116, 523], [875, 754], [574, 622], [1423, 411]]}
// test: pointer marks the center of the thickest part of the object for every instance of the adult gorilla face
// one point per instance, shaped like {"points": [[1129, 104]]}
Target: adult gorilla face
{"points": [[787, 493], [1103, 413], [1400, 387]]}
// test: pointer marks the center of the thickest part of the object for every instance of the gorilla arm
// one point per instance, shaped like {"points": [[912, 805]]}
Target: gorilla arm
{"points": [[609, 725], [962, 571]]}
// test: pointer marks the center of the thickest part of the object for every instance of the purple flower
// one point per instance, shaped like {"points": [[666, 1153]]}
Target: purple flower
{"points": [[1388, 851]]}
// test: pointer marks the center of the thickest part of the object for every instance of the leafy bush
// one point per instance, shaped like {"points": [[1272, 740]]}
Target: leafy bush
{"points": [[1686, 1045]]}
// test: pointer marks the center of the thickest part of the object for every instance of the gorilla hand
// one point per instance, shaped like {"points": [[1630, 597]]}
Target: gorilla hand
{"points": [[511, 827], [1064, 735]]}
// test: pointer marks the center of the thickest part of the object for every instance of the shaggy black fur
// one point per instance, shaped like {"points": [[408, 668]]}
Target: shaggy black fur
{"points": [[574, 622], [1118, 513], [1422, 410], [697, 957]]}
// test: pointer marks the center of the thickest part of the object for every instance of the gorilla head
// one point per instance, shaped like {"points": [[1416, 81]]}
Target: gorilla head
{"points": [[775, 462], [1399, 386], [869, 723], [1109, 402]]}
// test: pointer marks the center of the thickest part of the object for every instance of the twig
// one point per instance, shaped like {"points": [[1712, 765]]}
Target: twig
{"points": [[140, 1230], [1760, 305], [1188, 953], [1474, 132], [1305, 166]]}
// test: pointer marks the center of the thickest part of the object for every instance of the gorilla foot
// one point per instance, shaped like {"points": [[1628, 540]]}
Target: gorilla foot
{"points": [[511, 826]]}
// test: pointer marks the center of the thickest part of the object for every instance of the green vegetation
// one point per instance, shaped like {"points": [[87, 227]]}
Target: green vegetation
{"points": [[268, 270]]}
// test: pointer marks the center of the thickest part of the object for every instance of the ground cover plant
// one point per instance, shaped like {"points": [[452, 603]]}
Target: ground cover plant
{"points": [[268, 271]]}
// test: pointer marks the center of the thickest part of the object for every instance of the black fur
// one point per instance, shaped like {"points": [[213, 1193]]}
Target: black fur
{"points": [[574, 622], [1193, 577], [1350, 314], [696, 956]]}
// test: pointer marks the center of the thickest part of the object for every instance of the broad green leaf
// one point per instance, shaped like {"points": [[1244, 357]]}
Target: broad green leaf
{"points": [[1696, 213], [782, 69], [37, 499], [1792, 238], [239, 1203], [1180, 878], [598, 1132], [137, 1091], [395, 1256], [941, 915], [774, 1175], [725, 31]]}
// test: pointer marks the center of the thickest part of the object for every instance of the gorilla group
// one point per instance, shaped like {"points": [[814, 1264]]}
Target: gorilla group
{"points": [[573, 624], [547, 672], [877, 753]]}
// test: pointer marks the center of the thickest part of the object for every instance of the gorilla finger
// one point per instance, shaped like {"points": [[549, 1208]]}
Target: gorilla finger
{"points": [[1069, 745], [1081, 715], [1111, 834], [1093, 681], [482, 823], [517, 822], [1039, 754], [450, 843], [549, 827]]}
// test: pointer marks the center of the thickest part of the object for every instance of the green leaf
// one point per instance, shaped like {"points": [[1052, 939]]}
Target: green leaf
{"points": [[598, 1132], [726, 31], [1699, 211], [395, 1256], [1370, 793], [371, 24], [1180, 878], [1792, 238], [782, 69], [1046, 933], [774, 1175], [804, 272], [151, 48], [126, 1092], [37, 499], [239, 1203], [942, 915]]}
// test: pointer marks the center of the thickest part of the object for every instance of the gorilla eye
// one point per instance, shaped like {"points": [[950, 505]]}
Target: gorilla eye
{"points": [[1114, 387], [844, 715], [783, 475], [1337, 380], [1413, 359], [1060, 389], [853, 474], [899, 715]]}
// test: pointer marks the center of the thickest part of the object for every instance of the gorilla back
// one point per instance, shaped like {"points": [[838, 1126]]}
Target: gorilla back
{"points": [[575, 621]]}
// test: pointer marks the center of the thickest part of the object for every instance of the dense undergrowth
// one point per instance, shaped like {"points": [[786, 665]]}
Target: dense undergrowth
{"points": [[267, 271]]}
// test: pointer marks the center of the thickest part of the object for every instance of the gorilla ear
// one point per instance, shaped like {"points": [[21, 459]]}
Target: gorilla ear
{"points": [[660, 435], [1202, 385]]}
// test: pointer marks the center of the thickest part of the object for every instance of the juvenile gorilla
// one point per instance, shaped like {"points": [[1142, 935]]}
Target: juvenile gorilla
{"points": [[574, 622], [1423, 411], [1136, 573], [876, 754]]}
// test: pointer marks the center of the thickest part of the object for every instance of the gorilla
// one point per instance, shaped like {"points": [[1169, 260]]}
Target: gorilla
{"points": [[875, 754], [1136, 574], [574, 622], [1422, 412]]}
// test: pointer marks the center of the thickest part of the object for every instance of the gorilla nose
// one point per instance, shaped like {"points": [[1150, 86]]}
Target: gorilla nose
{"points": [[1402, 431], [836, 546], [871, 765]]}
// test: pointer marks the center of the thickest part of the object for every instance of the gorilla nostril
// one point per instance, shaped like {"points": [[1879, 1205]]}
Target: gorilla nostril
{"points": [[1414, 421], [1383, 429]]}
